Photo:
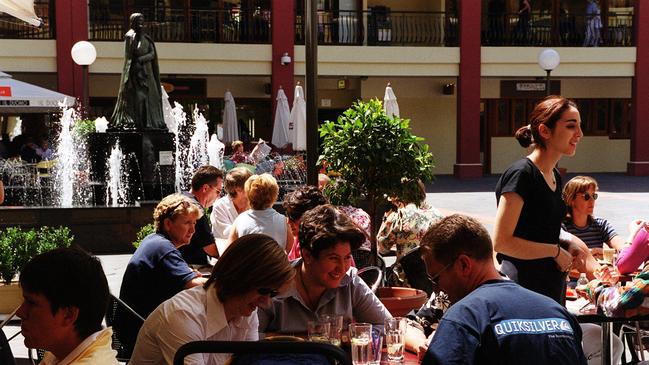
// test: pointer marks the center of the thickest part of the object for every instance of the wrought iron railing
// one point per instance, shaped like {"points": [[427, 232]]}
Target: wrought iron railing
{"points": [[570, 30], [382, 27], [167, 24], [13, 28]]}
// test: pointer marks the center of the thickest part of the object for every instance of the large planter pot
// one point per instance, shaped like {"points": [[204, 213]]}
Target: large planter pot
{"points": [[399, 301], [10, 298]]}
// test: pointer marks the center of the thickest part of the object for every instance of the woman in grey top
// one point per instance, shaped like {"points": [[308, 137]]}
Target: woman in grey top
{"points": [[324, 283]]}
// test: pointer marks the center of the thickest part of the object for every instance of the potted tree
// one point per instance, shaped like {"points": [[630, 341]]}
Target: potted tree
{"points": [[17, 247], [373, 155]]}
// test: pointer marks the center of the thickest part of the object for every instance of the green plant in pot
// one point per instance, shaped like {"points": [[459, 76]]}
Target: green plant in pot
{"points": [[373, 154]]}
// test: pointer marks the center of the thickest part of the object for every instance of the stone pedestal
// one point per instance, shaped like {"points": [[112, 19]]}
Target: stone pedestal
{"points": [[149, 161]]}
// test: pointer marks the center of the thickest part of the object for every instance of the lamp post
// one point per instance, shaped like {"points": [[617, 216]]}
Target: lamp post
{"points": [[84, 54], [548, 60]]}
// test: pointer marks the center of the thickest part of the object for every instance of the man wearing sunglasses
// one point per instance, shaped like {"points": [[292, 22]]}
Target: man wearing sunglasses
{"points": [[491, 320]]}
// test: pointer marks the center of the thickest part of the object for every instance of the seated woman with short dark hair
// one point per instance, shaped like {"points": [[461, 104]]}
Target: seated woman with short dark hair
{"points": [[324, 283]]}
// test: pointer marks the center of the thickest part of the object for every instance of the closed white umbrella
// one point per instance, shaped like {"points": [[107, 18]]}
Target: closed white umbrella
{"points": [[390, 102], [230, 124], [282, 114], [297, 120], [21, 9]]}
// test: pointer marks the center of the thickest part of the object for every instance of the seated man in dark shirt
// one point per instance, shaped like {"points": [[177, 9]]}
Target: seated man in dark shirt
{"points": [[491, 320], [206, 188]]}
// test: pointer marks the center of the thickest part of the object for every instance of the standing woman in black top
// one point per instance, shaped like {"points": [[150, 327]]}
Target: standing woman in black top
{"points": [[530, 207]]}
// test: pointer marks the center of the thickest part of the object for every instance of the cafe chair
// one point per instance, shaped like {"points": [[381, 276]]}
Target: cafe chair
{"points": [[633, 336], [115, 307], [363, 258], [372, 276], [410, 271], [267, 352]]}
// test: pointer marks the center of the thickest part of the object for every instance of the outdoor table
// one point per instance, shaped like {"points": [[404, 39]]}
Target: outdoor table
{"points": [[591, 316]]}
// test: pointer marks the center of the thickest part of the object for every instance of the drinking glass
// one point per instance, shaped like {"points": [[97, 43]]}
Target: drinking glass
{"points": [[335, 327], [608, 254], [395, 337], [360, 335], [318, 331]]}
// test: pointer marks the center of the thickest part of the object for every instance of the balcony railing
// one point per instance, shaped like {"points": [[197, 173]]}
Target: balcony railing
{"points": [[570, 30], [188, 25], [382, 28], [13, 28]]}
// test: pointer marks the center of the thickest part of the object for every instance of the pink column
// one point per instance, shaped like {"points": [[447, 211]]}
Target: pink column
{"points": [[71, 27], [639, 161], [468, 93], [283, 38]]}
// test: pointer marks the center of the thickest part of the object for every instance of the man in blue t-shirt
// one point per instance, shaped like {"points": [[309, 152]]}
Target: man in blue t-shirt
{"points": [[491, 320]]}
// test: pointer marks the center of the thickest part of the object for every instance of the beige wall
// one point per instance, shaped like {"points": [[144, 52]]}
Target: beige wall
{"points": [[571, 87], [505, 150], [575, 61], [431, 114], [27, 55]]}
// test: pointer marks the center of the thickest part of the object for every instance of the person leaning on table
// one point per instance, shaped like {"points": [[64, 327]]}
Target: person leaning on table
{"points": [[251, 271], [157, 271], [491, 320]]}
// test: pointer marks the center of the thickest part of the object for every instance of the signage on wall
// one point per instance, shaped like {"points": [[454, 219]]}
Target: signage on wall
{"points": [[528, 88], [185, 88]]}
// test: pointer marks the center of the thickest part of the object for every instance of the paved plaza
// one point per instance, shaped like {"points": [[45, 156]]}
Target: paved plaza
{"points": [[622, 198]]}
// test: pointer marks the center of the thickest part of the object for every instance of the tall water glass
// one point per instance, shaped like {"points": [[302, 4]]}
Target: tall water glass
{"points": [[395, 337], [360, 335], [335, 327]]}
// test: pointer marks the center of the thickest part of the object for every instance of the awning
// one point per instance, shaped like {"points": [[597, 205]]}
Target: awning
{"points": [[21, 9], [17, 97]]}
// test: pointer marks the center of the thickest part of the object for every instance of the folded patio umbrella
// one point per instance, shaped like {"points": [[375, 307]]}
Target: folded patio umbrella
{"points": [[297, 121], [230, 124], [390, 102], [21, 97], [282, 114]]}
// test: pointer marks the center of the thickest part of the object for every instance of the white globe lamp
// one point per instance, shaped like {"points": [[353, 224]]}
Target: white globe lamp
{"points": [[84, 54], [548, 60]]}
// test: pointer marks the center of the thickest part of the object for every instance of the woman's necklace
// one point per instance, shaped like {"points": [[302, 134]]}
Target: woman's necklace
{"points": [[552, 182], [306, 292]]}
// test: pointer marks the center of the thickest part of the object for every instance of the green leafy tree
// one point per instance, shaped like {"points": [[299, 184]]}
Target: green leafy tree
{"points": [[374, 155], [142, 233]]}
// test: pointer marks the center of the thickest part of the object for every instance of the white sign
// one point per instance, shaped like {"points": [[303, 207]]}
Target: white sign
{"points": [[166, 158], [530, 86], [325, 103]]}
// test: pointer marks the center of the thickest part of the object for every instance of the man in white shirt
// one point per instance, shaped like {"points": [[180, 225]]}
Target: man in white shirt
{"points": [[66, 296], [226, 209]]}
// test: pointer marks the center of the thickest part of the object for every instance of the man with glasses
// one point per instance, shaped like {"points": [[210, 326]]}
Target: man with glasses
{"points": [[205, 189], [491, 320]]}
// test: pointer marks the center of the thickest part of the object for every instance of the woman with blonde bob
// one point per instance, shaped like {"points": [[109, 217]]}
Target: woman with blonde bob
{"points": [[157, 271], [262, 191], [251, 271]]}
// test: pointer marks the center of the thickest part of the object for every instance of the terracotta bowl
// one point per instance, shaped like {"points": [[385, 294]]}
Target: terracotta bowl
{"points": [[399, 301]]}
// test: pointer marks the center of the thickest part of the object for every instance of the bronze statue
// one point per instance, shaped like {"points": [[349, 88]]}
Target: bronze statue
{"points": [[139, 102]]}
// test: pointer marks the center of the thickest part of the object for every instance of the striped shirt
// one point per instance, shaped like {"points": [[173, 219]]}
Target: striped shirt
{"points": [[597, 232]]}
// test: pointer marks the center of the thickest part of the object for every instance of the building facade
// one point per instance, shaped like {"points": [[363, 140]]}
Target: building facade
{"points": [[464, 72]]}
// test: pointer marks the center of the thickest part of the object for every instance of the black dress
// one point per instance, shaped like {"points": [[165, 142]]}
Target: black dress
{"points": [[539, 221]]}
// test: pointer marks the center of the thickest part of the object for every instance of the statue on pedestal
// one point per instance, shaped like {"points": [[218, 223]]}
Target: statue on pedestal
{"points": [[139, 102]]}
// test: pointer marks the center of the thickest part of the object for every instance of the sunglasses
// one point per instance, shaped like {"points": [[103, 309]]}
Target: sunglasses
{"points": [[268, 291], [434, 279], [587, 196]]}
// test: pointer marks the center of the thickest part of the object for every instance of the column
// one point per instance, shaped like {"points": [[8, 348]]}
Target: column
{"points": [[71, 27], [282, 37], [468, 163], [639, 159]]}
